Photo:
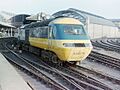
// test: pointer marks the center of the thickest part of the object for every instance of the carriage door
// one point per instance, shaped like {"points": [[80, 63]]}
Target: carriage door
{"points": [[49, 37]]}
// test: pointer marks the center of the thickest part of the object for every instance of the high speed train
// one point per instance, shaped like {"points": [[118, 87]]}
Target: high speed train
{"points": [[62, 39]]}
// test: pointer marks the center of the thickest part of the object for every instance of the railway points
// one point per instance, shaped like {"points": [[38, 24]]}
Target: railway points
{"points": [[37, 60], [73, 74], [82, 81]]}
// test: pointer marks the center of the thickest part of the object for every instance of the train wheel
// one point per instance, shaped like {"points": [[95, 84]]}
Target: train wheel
{"points": [[54, 58], [60, 63]]}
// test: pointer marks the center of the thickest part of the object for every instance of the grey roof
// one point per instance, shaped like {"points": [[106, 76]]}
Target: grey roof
{"points": [[3, 24], [115, 20], [95, 18]]}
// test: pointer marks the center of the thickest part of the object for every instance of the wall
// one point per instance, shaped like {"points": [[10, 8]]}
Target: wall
{"points": [[99, 31]]}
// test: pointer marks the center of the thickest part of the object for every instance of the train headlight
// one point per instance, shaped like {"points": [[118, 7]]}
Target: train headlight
{"points": [[76, 44], [67, 44]]}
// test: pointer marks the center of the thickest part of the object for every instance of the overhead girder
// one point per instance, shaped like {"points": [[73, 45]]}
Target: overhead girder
{"points": [[71, 13]]}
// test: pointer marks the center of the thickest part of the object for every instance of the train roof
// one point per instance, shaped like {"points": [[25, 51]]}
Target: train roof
{"points": [[40, 23]]}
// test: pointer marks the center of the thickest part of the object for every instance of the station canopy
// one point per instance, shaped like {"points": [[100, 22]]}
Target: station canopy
{"points": [[71, 13], [84, 16], [5, 25]]}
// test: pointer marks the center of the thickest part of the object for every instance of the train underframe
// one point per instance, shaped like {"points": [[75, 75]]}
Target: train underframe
{"points": [[46, 54]]}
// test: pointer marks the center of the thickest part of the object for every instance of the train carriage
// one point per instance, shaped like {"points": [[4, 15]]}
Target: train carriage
{"points": [[61, 39]]}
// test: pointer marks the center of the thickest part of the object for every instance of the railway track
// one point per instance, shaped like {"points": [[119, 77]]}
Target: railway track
{"points": [[98, 74], [107, 45], [81, 82], [113, 46], [73, 83], [38, 75], [105, 59], [115, 42], [101, 45], [31, 69], [83, 78], [80, 76], [70, 77]]}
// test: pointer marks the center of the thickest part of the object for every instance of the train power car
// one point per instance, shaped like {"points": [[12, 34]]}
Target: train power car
{"points": [[62, 39]]}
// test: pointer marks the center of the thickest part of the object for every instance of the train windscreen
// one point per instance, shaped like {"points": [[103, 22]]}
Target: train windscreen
{"points": [[70, 31]]}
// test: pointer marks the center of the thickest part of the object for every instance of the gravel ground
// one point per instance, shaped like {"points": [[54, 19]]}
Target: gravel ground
{"points": [[86, 63], [109, 53], [103, 68], [98, 67]]}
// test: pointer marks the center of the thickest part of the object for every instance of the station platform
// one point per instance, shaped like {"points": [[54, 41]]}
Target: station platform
{"points": [[9, 78]]}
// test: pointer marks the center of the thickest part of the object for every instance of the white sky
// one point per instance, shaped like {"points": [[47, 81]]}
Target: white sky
{"points": [[105, 8]]}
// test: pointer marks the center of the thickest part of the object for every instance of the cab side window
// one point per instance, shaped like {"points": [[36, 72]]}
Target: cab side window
{"points": [[54, 32]]}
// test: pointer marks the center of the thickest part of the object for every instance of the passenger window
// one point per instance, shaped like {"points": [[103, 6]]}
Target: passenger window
{"points": [[40, 32]]}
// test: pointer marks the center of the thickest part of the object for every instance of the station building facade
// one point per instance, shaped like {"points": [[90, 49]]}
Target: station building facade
{"points": [[99, 27], [19, 20], [116, 22], [6, 30]]}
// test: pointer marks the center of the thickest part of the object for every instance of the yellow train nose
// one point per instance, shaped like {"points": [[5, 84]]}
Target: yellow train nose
{"points": [[73, 54], [78, 54]]}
